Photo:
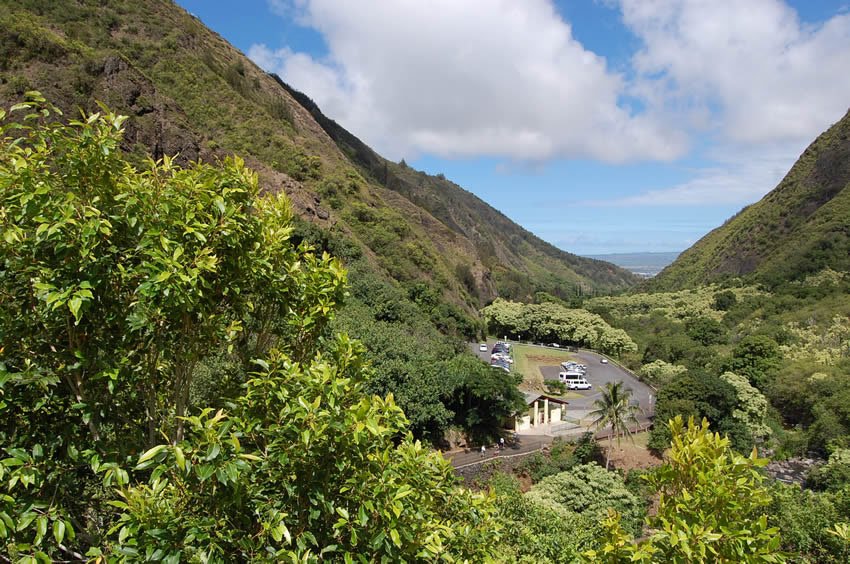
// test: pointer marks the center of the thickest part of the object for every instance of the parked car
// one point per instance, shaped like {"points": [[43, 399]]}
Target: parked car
{"points": [[574, 381], [482, 347], [501, 364]]}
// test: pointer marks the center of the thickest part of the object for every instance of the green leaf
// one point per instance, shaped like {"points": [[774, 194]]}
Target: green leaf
{"points": [[213, 451], [74, 305], [41, 528], [149, 455], [58, 530], [395, 537], [179, 458]]}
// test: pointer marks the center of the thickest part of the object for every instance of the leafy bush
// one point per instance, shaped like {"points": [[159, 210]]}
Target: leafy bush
{"points": [[804, 518], [834, 475], [589, 490], [536, 533], [712, 507], [119, 288]]}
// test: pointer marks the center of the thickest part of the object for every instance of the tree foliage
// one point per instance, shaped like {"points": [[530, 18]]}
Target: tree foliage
{"points": [[535, 532], [551, 322], [660, 373], [751, 409], [305, 467], [589, 490], [115, 283], [756, 357], [712, 506], [702, 396]]}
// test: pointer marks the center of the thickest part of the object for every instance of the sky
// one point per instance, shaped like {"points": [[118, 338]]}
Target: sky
{"points": [[603, 126]]}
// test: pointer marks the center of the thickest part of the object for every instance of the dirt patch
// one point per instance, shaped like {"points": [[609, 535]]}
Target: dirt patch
{"points": [[545, 359], [630, 457]]}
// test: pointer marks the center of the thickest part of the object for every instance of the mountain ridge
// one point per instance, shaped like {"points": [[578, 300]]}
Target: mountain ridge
{"points": [[800, 227], [189, 91]]}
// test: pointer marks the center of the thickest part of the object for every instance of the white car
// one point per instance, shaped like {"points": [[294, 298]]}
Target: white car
{"points": [[579, 384], [482, 347], [604, 361]]}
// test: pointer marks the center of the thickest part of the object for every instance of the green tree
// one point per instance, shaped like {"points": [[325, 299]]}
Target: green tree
{"points": [[723, 301], [805, 518], [834, 475], [751, 410], [712, 507], [700, 395], [756, 357], [614, 409], [114, 283], [660, 373], [589, 490], [706, 331], [305, 467], [536, 532]]}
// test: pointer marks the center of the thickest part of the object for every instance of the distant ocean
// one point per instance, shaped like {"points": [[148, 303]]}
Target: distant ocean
{"points": [[646, 265]]}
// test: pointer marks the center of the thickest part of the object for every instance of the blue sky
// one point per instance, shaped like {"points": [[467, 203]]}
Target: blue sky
{"points": [[600, 125]]}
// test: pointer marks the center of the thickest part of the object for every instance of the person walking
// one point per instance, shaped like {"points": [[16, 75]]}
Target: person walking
{"points": [[483, 451], [501, 443]]}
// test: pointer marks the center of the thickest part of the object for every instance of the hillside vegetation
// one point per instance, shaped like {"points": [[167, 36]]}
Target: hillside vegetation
{"points": [[189, 92], [797, 229]]}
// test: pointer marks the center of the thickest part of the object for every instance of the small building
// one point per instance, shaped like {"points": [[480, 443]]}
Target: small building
{"points": [[542, 410]]}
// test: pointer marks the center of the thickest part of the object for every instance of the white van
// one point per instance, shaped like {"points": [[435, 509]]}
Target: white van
{"points": [[574, 381]]}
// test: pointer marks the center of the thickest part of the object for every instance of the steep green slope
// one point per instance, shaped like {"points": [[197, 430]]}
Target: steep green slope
{"points": [[504, 248], [189, 92], [799, 228]]}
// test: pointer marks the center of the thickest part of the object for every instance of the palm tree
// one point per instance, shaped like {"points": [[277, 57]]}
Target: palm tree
{"points": [[614, 408]]}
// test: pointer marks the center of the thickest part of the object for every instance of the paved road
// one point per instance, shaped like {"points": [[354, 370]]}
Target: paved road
{"points": [[483, 355]]}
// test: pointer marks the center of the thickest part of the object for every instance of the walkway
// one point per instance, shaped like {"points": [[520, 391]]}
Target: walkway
{"points": [[533, 441], [527, 444]]}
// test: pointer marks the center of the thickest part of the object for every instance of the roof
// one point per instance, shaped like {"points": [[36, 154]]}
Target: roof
{"points": [[531, 397]]}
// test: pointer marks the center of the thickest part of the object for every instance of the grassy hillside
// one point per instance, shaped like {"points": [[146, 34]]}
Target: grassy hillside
{"points": [[800, 228], [189, 92]]}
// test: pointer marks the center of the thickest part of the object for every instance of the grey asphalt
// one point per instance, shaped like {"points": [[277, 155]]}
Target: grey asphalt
{"points": [[598, 374], [526, 444]]}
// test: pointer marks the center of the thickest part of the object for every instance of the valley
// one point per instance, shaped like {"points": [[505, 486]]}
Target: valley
{"points": [[231, 331]]}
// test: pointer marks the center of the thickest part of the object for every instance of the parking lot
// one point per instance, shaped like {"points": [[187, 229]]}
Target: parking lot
{"points": [[599, 374]]}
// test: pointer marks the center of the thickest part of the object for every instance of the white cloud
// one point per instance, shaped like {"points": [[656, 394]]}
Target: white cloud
{"points": [[502, 78], [750, 70], [456, 79], [737, 175]]}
